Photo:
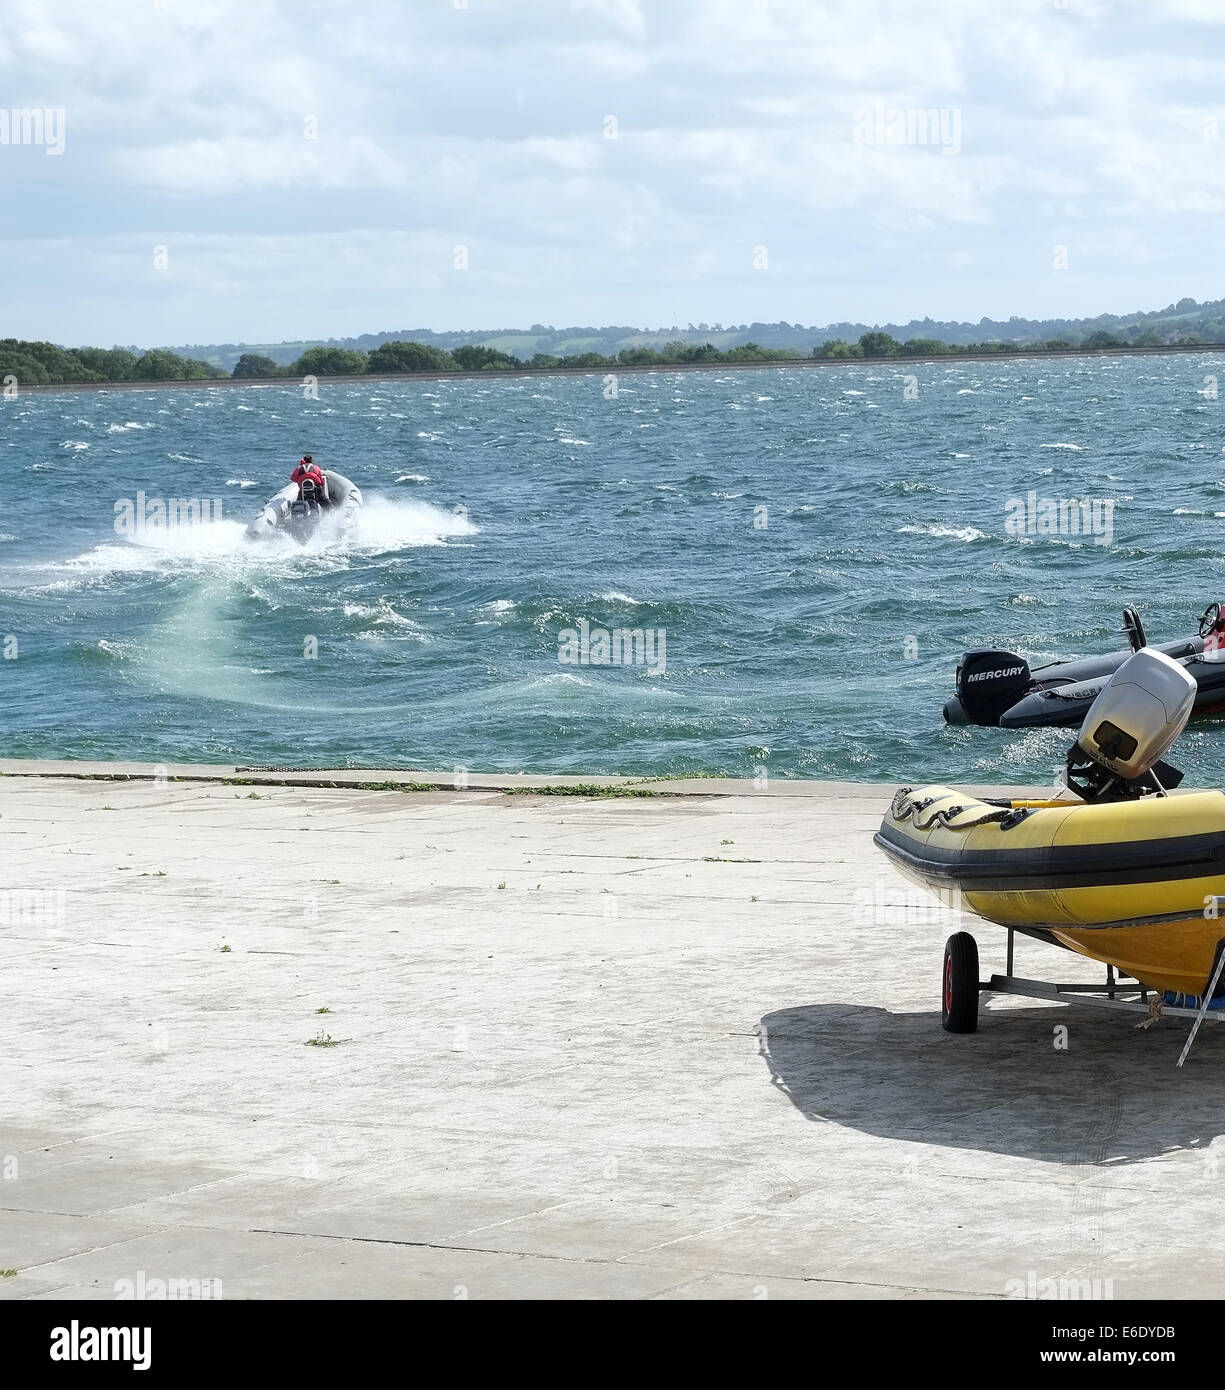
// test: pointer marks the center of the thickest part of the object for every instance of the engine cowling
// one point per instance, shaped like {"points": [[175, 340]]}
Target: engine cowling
{"points": [[989, 681]]}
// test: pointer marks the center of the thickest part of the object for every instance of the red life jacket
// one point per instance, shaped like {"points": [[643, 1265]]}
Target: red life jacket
{"points": [[307, 470]]}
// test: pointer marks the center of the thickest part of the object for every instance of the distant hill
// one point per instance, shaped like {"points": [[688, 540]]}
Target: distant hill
{"points": [[1182, 322]]}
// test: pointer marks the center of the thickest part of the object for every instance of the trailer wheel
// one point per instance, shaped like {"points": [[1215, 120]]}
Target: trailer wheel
{"points": [[959, 995]]}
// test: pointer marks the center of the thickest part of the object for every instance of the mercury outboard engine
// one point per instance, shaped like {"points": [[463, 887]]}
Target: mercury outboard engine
{"points": [[988, 682], [1137, 718]]}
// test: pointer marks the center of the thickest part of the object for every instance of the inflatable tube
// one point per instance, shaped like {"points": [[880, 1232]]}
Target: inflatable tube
{"points": [[343, 498], [274, 514], [1123, 882], [1068, 704], [995, 687]]}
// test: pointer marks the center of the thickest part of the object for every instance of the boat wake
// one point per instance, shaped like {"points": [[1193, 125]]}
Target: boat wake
{"points": [[381, 527]]}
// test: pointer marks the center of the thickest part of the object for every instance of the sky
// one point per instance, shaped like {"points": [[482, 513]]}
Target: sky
{"points": [[271, 171]]}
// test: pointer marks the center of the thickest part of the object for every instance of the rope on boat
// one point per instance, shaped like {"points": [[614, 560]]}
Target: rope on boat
{"points": [[1154, 1011], [905, 809]]}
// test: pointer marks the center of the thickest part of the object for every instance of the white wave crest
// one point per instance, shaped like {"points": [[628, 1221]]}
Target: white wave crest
{"points": [[959, 533]]}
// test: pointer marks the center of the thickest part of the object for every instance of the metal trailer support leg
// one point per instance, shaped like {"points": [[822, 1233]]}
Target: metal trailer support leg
{"points": [[1011, 939], [1207, 1000]]}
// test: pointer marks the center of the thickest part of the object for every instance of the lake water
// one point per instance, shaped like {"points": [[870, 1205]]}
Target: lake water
{"points": [[816, 546]]}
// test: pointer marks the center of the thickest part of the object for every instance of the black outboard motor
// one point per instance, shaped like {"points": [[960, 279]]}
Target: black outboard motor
{"points": [[304, 512], [989, 682]]}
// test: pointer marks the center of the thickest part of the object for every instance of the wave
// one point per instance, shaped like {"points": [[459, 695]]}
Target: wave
{"points": [[386, 524], [382, 615], [905, 487], [960, 533]]}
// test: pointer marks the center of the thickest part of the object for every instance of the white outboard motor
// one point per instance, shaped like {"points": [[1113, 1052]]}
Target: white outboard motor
{"points": [[1137, 718]]}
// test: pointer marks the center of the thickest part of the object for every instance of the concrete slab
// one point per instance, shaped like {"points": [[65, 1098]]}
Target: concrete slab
{"points": [[314, 1040]]}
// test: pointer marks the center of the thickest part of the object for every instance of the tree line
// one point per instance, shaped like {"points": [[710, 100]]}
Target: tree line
{"points": [[45, 364]]}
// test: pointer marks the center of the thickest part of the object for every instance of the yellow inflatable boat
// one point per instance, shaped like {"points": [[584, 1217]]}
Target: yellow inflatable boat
{"points": [[1132, 883]]}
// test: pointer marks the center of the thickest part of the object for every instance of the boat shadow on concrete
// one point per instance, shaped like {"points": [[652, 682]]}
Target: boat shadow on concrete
{"points": [[1110, 1095]]}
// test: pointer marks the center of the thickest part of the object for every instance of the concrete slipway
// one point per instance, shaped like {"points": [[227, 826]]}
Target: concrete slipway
{"points": [[676, 1046]]}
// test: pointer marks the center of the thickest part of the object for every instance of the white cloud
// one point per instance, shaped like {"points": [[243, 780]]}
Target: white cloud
{"points": [[486, 126], [237, 164]]}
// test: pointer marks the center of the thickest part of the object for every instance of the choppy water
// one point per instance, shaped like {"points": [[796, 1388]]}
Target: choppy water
{"points": [[438, 629]]}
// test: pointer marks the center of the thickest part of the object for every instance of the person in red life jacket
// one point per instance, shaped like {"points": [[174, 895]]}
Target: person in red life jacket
{"points": [[309, 471]]}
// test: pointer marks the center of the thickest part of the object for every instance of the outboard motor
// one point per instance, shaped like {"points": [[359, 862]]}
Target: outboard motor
{"points": [[304, 511], [988, 683], [1137, 718]]}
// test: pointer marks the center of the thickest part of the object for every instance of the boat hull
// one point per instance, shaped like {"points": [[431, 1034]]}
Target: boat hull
{"points": [[1131, 884], [277, 518], [1065, 706], [1059, 694], [1176, 955]]}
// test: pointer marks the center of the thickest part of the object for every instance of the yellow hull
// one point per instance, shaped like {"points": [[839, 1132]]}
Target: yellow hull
{"points": [[1170, 955], [1132, 884]]}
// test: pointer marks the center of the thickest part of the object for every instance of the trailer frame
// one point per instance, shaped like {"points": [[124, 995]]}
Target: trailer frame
{"points": [[1119, 992]]}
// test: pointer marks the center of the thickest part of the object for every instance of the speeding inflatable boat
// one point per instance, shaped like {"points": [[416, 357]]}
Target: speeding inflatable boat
{"points": [[299, 510], [997, 687], [1125, 873]]}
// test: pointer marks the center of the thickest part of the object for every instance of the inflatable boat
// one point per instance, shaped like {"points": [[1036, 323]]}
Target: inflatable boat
{"points": [[300, 510], [1126, 874], [1125, 883], [997, 687]]}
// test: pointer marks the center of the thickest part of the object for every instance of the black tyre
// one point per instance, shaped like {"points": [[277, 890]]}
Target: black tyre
{"points": [[959, 994]]}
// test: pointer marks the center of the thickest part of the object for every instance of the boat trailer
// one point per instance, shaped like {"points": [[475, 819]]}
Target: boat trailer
{"points": [[962, 990]]}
